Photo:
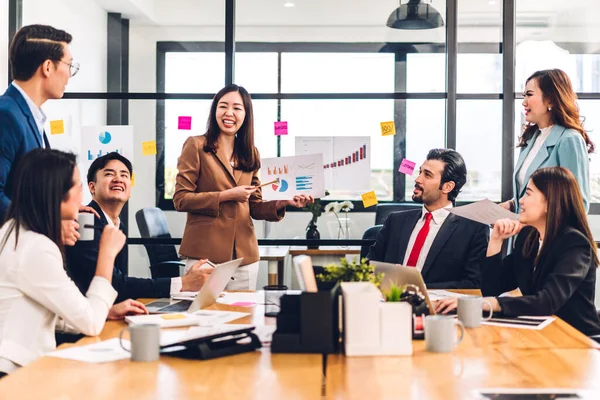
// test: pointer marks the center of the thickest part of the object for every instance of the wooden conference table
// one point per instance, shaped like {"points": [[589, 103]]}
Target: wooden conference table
{"points": [[557, 356]]}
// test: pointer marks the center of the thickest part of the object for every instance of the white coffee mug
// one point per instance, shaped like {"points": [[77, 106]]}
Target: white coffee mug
{"points": [[85, 234], [440, 333], [470, 310], [145, 341]]}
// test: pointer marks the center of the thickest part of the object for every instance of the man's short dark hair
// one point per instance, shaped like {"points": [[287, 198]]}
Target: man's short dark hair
{"points": [[34, 44], [455, 169], [101, 162]]}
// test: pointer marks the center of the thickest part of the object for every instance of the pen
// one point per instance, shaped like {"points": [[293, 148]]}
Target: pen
{"points": [[93, 226], [269, 183]]}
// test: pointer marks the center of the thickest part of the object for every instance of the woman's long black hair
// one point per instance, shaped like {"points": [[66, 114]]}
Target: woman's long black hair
{"points": [[42, 181]]}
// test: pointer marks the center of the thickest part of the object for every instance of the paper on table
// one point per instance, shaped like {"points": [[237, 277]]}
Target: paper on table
{"points": [[202, 317], [484, 211], [184, 296], [532, 393], [438, 294], [169, 337], [106, 351], [534, 323], [241, 297]]}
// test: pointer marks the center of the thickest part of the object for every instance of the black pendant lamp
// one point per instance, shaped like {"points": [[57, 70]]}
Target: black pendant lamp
{"points": [[415, 15]]}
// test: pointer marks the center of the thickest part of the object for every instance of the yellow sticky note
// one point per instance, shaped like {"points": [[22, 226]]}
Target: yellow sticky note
{"points": [[369, 199], [388, 128], [173, 316], [132, 179], [149, 148], [57, 127]]}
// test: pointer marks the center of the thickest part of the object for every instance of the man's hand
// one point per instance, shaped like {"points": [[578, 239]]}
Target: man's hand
{"points": [[90, 210], [69, 232], [196, 277], [127, 307]]}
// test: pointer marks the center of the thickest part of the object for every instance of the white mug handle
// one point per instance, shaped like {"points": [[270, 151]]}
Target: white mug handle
{"points": [[489, 303], [121, 339], [462, 331]]}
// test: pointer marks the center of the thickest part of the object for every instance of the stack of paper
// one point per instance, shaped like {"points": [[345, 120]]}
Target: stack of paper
{"points": [[173, 320], [106, 351]]}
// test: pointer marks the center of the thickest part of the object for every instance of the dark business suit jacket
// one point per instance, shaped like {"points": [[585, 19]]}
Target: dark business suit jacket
{"points": [[455, 254], [81, 267], [18, 135], [563, 283]]}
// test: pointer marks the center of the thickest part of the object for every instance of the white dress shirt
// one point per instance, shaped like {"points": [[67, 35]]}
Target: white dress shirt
{"points": [[38, 113], [176, 283], [537, 145], [34, 291], [438, 218]]}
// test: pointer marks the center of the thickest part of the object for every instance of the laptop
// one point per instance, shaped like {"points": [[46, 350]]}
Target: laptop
{"points": [[401, 275], [207, 296]]}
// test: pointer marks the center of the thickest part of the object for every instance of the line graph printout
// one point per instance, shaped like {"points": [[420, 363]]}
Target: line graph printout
{"points": [[346, 159], [297, 175]]}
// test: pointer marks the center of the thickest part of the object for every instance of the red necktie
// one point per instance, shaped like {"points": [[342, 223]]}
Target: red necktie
{"points": [[419, 242]]}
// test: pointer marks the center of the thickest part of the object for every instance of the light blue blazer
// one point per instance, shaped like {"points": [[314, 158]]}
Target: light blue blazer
{"points": [[563, 148]]}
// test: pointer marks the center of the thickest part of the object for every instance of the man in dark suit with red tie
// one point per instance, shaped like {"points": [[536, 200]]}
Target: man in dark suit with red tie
{"points": [[445, 248], [41, 65]]}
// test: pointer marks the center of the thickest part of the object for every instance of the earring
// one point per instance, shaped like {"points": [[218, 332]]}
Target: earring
{"points": [[549, 108]]}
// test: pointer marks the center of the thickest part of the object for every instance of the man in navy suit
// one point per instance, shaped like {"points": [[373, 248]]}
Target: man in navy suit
{"points": [[41, 65], [445, 248], [109, 181]]}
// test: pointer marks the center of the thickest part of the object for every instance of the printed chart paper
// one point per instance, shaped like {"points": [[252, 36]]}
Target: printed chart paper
{"points": [[97, 141], [297, 175], [346, 160]]}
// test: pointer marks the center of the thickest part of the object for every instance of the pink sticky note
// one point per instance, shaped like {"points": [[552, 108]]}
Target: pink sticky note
{"points": [[185, 123], [407, 167], [243, 304], [281, 128]]}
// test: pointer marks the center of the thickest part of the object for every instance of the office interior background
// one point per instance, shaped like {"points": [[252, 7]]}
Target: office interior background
{"points": [[329, 68]]}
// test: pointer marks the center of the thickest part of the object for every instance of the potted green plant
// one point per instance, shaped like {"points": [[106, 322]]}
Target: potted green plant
{"points": [[316, 209], [353, 271]]}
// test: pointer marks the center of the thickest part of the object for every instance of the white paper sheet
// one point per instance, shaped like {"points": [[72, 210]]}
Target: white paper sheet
{"points": [[539, 393], [439, 294], [202, 317], [484, 211], [533, 323], [106, 351], [297, 175]]}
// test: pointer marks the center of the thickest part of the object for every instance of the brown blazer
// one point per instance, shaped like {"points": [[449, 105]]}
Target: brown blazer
{"points": [[213, 230]]}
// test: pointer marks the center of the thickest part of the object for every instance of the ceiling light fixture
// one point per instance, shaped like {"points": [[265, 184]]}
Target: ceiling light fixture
{"points": [[289, 4], [415, 15]]}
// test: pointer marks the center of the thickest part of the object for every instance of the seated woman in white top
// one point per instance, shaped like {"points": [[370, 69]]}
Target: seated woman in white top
{"points": [[34, 287]]}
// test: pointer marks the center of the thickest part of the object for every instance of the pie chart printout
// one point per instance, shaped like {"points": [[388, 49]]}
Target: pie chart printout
{"points": [[282, 187], [104, 137]]}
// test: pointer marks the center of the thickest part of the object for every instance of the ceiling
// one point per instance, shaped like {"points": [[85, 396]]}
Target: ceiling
{"points": [[337, 13]]}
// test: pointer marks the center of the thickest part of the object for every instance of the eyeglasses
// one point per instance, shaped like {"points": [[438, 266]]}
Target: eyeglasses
{"points": [[73, 67]]}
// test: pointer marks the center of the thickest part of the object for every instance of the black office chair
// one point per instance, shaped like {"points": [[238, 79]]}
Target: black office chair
{"points": [[164, 262], [370, 234], [383, 210]]}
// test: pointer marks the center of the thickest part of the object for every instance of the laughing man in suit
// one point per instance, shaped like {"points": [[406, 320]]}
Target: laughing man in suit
{"points": [[446, 248]]}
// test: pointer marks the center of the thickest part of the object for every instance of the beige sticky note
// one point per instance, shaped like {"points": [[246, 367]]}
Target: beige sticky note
{"points": [[369, 199], [173, 316], [57, 127], [132, 179], [388, 128], [149, 148]]}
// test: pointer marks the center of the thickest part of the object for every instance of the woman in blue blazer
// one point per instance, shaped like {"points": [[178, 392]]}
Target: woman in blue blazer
{"points": [[554, 134]]}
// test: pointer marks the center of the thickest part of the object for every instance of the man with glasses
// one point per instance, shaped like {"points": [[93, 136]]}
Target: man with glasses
{"points": [[41, 65]]}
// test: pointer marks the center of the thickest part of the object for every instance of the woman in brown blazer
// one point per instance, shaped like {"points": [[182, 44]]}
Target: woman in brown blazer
{"points": [[217, 185]]}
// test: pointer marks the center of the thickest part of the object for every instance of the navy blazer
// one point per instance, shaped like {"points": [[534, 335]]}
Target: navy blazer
{"points": [[81, 267], [18, 135], [563, 283], [453, 261]]}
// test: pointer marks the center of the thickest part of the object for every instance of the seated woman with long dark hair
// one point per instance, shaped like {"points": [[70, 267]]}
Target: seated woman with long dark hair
{"points": [[34, 287], [554, 260]]}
